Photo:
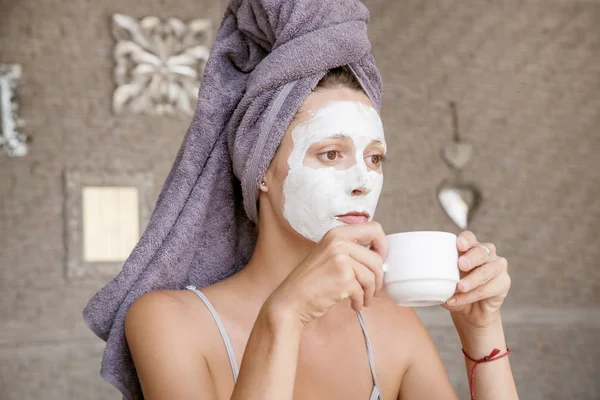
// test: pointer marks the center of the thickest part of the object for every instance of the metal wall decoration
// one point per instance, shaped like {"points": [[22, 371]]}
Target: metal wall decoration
{"points": [[12, 141], [159, 64], [459, 199]]}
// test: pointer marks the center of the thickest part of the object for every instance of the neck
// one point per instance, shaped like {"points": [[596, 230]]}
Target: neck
{"points": [[277, 253], [279, 250]]}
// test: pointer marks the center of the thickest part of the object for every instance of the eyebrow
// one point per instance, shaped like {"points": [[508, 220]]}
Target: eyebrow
{"points": [[338, 136], [346, 137]]}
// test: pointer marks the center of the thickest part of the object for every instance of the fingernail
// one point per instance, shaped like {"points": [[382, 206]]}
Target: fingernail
{"points": [[463, 242], [452, 300], [466, 264], [464, 286]]}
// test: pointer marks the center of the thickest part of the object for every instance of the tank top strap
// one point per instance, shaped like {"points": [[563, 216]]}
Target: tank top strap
{"points": [[376, 394], [222, 331]]}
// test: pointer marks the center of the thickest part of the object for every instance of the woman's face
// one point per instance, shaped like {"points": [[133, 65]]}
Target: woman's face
{"points": [[328, 164]]}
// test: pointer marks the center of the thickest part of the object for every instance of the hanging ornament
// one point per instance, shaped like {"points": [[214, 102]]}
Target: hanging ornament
{"points": [[459, 200]]}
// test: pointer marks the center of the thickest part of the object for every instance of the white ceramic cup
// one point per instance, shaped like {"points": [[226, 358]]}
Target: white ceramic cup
{"points": [[421, 268]]}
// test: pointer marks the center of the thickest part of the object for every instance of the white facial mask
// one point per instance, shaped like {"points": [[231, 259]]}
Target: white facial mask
{"points": [[313, 197]]}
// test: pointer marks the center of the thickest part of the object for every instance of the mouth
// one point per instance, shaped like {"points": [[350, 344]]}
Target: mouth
{"points": [[354, 217]]}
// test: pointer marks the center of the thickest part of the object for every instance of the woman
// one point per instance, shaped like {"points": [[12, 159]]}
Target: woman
{"points": [[268, 209], [290, 314]]}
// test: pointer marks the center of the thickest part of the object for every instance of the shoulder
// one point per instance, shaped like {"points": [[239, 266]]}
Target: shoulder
{"points": [[154, 306], [393, 326], [150, 315], [168, 348], [163, 316], [421, 373], [396, 319]]}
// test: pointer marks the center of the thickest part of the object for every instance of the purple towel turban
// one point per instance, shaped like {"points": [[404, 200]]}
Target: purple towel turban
{"points": [[267, 58]]}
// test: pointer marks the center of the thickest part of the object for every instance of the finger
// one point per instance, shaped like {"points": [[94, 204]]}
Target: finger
{"points": [[371, 260], [356, 296], [366, 279], [466, 240], [482, 275], [476, 256], [369, 232], [497, 287]]}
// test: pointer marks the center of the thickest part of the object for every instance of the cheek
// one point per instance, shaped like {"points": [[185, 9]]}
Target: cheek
{"points": [[312, 162], [311, 190], [309, 182], [375, 179], [377, 186]]}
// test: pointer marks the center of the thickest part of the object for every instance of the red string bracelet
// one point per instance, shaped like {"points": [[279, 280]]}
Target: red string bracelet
{"points": [[492, 357]]}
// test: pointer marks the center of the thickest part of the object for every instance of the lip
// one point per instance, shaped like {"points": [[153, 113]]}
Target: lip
{"points": [[354, 217]]}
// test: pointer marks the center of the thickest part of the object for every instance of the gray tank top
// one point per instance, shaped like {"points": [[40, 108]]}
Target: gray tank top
{"points": [[375, 393]]}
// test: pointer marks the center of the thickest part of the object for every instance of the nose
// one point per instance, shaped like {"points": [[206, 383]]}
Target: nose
{"points": [[361, 191], [359, 184]]}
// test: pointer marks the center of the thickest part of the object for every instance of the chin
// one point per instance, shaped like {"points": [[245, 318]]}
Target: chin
{"points": [[317, 236]]}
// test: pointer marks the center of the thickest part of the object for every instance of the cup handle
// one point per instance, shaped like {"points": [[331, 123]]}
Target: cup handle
{"points": [[385, 268]]}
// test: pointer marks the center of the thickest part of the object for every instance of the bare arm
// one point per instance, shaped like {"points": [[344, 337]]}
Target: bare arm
{"points": [[493, 380], [268, 369], [170, 367], [167, 366], [475, 311]]}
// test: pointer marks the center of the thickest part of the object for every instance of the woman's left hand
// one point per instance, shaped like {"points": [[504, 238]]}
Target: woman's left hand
{"points": [[484, 283]]}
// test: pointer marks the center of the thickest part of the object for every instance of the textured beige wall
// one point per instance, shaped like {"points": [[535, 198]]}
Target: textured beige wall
{"points": [[66, 51], [525, 75], [526, 78]]}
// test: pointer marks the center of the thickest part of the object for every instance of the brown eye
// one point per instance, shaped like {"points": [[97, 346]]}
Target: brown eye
{"points": [[332, 155], [376, 159]]}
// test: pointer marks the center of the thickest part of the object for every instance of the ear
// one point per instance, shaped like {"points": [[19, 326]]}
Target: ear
{"points": [[263, 187]]}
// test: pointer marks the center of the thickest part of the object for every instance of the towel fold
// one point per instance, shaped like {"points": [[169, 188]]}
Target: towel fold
{"points": [[267, 58]]}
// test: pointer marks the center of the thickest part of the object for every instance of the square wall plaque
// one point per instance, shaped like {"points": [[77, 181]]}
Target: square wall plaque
{"points": [[110, 222], [106, 212]]}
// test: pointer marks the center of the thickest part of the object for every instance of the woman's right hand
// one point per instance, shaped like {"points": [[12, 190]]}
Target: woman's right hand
{"points": [[346, 263]]}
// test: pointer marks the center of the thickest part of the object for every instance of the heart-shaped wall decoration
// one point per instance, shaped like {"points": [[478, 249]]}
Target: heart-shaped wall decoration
{"points": [[457, 154], [459, 201]]}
